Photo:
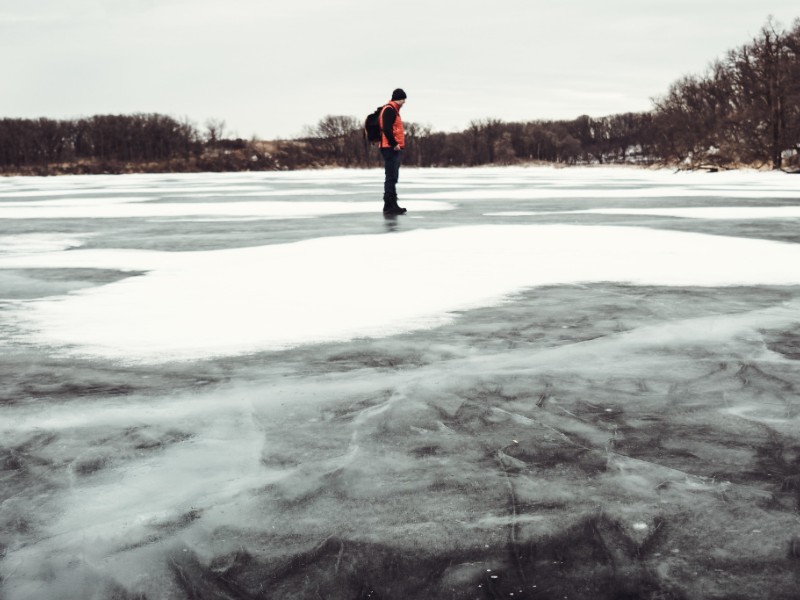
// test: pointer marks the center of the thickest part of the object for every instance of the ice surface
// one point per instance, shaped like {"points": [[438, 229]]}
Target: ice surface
{"points": [[617, 194], [710, 212], [265, 209], [706, 212], [541, 401]]}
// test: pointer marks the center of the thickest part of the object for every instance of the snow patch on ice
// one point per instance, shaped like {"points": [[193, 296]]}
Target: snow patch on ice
{"points": [[194, 305], [34, 243]]}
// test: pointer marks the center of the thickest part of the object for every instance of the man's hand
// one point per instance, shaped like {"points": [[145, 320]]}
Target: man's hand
{"points": [[397, 148]]}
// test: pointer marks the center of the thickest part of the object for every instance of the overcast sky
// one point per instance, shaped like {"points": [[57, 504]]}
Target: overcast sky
{"points": [[268, 67]]}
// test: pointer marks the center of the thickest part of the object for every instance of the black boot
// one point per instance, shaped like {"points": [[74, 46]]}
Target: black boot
{"points": [[390, 207], [393, 209], [398, 209]]}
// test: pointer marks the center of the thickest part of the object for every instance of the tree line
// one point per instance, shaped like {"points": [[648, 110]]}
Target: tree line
{"points": [[743, 110], [26, 142], [122, 143], [154, 142]]}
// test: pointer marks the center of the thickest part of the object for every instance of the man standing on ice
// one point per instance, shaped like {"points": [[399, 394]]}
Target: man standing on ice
{"points": [[393, 140]]}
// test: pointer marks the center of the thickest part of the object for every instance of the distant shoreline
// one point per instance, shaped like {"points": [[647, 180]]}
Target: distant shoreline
{"points": [[181, 167]]}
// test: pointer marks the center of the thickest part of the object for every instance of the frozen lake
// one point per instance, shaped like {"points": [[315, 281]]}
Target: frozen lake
{"points": [[539, 383]]}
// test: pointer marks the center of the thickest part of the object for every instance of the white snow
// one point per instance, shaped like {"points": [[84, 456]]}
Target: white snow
{"points": [[195, 305], [29, 243]]}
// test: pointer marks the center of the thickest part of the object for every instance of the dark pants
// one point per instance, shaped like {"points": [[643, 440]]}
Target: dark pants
{"points": [[391, 160]]}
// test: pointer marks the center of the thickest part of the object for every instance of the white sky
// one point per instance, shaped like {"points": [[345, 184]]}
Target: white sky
{"points": [[269, 68]]}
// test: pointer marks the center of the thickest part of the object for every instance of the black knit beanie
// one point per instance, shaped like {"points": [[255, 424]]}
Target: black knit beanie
{"points": [[398, 94]]}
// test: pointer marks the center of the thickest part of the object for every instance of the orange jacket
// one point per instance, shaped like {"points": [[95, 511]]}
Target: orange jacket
{"points": [[392, 130]]}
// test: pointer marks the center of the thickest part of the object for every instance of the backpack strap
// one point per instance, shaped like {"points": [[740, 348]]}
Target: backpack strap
{"points": [[380, 117]]}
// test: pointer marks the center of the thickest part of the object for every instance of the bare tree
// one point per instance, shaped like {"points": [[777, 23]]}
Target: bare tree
{"points": [[215, 131]]}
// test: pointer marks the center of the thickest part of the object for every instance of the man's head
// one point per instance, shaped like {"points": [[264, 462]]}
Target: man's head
{"points": [[399, 96]]}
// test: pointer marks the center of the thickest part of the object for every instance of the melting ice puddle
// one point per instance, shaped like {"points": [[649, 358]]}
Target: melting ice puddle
{"points": [[195, 305]]}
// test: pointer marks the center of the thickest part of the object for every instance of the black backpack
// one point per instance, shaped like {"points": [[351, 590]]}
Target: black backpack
{"points": [[372, 126]]}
